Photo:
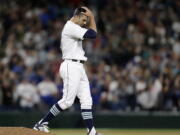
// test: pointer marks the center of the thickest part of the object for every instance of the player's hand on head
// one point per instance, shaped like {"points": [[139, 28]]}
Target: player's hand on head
{"points": [[88, 12]]}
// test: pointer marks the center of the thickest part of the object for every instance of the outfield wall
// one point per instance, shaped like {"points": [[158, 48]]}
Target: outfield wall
{"points": [[102, 120]]}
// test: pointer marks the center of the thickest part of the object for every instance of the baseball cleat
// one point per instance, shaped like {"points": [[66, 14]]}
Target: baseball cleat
{"points": [[93, 132], [41, 127]]}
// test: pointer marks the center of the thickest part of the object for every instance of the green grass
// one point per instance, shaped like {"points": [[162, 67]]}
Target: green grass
{"points": [[118, 131]]}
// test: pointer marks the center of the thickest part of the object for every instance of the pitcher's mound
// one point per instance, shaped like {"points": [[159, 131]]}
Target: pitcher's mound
{"points": [[20, 131]]}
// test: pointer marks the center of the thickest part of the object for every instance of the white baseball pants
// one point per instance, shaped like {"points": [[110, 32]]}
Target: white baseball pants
{"points": [[76, 83]]}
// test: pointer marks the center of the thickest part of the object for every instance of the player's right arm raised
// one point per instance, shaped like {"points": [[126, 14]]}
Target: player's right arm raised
{"points": [[92, 30], [92, 23]]}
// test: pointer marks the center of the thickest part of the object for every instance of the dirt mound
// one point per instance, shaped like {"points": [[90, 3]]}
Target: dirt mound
{"points": [[20, 131]]}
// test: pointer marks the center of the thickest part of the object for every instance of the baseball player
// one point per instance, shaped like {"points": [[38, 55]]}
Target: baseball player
{"points": [[81, 26]]}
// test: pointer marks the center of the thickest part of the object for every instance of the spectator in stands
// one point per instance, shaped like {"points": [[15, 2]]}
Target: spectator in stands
{"points": [[26, 95], [48, 91]]}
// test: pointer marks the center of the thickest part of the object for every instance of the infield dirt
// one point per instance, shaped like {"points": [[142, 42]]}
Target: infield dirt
{"points": [[20, 131]]}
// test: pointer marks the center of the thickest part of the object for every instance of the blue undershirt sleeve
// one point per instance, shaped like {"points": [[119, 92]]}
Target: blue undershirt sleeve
{"points": [[90, 34]]}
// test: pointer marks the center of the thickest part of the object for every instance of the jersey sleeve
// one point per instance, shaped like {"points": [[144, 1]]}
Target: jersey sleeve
{"points": [[76, 31], [90, 34]]}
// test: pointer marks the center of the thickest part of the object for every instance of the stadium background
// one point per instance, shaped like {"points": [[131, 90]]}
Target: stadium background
{"points": [[133, 65]]}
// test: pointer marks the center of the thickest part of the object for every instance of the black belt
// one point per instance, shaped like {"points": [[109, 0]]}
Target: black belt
{"points": [[80, 61]]}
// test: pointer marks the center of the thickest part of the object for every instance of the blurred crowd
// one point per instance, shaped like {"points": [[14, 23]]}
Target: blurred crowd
{"points": [[133, 64]]}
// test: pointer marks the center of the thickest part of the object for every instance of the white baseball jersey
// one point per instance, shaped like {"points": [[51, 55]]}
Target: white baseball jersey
{"points": [[73, 73], [71, 41]]}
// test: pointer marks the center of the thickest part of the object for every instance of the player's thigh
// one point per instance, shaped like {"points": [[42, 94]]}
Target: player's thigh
{"points": [[71, 75], [71, 79]]}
